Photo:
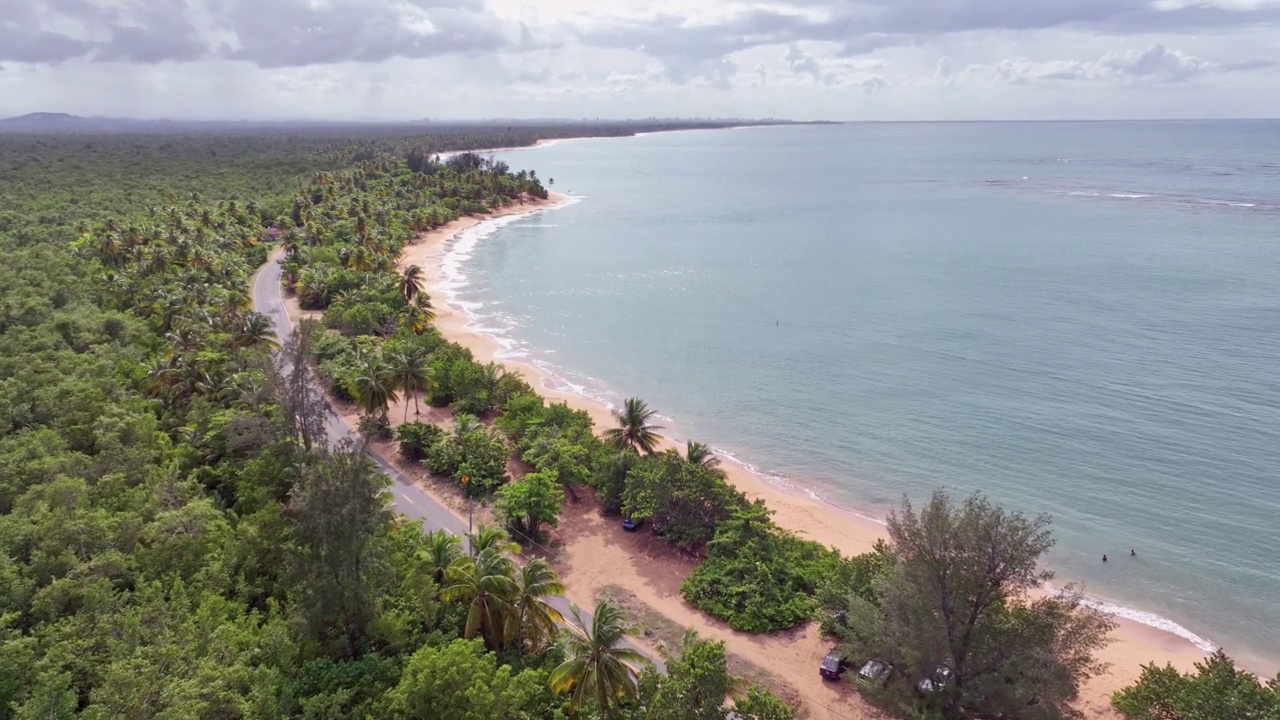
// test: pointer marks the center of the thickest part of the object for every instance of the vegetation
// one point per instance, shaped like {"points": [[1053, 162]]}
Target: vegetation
{"points": [[598, 667], [1217, 690], [955, 595], [758, 577], [178, 538]]}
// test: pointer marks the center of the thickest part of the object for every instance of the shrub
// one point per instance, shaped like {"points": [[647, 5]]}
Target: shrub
{"points": [[758, 577], [416, 438], [374, 427]]}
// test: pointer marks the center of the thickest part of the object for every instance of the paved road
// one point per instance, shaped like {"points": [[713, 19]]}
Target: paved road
{"points": [[407, 497]]}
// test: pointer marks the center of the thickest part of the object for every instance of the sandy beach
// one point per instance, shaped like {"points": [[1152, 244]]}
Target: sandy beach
{"points": [[593, 553]]}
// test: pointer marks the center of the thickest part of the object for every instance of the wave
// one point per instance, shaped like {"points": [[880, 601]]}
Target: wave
{"points": [[1143, 617], [1128, 195]]}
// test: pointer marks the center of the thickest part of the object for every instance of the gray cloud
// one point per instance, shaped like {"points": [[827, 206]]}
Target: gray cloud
{"points": [[863, 26], [802, 63], [267, 33], [1155, 64]]}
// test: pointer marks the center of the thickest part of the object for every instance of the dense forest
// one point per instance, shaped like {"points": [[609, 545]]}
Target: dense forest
{"points": [[179, 537]]}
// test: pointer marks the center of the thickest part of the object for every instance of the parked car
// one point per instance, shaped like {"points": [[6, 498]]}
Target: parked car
{"points": [[875, 673], [630, 525], [934, 681], [833, 665]]}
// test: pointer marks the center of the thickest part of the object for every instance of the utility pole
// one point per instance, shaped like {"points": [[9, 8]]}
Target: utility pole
{"points": [[466, 479]]}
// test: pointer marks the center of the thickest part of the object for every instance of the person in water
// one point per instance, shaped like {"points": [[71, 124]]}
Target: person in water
{"points": [[1132, 553], [1104, 558]]}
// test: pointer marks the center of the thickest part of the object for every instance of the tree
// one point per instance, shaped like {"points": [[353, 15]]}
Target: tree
{"points": [[442, 549], [1217, 690], [374, 385], [687, 501], [957, 594], [532, 621], [411, 282], [530, 502], [760, 704], [698, 454], [484, 582], [460, 681], [305, 410], [634, 427], [598, 667], [697, 682], [338, 513], [410, 374]]}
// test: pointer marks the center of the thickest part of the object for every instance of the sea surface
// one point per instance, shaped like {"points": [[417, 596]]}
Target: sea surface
{"points": [[1079, 319]]}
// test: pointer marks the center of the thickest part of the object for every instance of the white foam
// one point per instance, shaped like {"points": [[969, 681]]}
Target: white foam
{"points": [[1128, 195], [1226, 203], [1145, 618]]}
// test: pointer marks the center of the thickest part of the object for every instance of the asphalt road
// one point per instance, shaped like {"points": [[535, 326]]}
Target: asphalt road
{"points": [[408, 498]]}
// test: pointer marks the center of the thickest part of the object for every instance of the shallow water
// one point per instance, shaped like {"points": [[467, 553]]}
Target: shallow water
{"points": [[1081, 319]]}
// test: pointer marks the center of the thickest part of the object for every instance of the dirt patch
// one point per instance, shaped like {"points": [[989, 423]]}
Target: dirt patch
{"points": [[668, 635]]}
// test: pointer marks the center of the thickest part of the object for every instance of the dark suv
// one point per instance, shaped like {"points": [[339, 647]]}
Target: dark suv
{"points": [[833, 665]]}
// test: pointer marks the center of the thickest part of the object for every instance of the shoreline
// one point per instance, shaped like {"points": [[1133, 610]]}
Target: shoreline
{"points": [[806, 513]]}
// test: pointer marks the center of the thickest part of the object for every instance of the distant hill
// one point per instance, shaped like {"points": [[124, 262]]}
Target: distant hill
{"points": [[66, 122]]}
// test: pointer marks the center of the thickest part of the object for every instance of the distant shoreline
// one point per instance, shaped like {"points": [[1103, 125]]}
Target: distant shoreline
{"points": [[1136, 643]]}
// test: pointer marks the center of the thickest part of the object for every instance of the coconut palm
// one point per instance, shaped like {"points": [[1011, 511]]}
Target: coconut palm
{"points": [[374, 385], [411, 282], [410, 372], [484, 581], [443, 548], [597, 666], [697, 453], [634, 430], [491, 537], [463, 424], [254, 330], [533, 621]]}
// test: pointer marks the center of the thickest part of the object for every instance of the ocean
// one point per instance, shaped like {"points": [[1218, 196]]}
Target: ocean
{"points": [[1079, 319]]}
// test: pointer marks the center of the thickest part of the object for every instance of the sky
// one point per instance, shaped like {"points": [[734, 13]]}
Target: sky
{"points": [[796, 59]]}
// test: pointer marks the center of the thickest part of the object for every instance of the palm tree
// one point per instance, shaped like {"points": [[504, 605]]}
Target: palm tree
{"points": [[484, 581], [491, 537], [443, 548], [532, 620], [374, 385], [411, 282], [255, 329], [634, 430], [698, 454], [411, 374], [463, 424], [597, 665]]}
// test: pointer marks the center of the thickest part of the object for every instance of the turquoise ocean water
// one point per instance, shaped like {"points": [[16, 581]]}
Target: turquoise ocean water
{"points": [[1081, 319]]}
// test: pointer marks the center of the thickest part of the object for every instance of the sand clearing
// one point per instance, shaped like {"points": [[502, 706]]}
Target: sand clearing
{"points": [[592, 552]]}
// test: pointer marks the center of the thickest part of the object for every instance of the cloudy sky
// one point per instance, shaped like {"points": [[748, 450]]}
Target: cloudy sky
{"points": [[802, 59]]}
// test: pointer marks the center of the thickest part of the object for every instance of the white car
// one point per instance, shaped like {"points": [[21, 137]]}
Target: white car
{"points": [[875, 673]]}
